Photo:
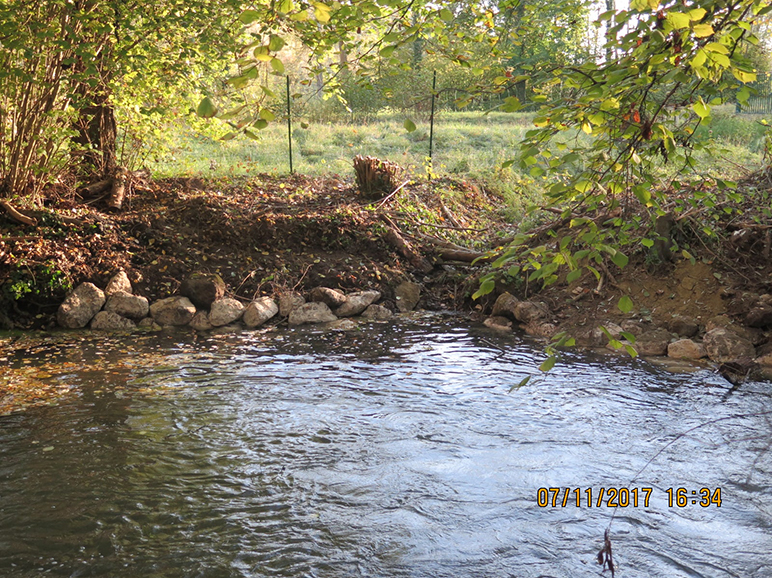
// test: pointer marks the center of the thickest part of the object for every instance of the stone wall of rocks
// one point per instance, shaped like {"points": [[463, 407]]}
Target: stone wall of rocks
{"points": [[202, 305], [741, 350]]}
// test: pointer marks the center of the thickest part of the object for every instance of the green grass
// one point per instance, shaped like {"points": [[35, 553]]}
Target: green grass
{"points": [[464, 144]]}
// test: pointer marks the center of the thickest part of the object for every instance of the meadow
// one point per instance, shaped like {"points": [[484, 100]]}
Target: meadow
{"points": [[466, 144]]}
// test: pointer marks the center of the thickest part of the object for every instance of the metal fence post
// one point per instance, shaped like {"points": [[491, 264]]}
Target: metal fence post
{"points": [[289, 125]]}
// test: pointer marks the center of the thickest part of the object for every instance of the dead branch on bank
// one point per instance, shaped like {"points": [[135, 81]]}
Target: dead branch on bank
{"points": [[394, 238], [16, 215]]}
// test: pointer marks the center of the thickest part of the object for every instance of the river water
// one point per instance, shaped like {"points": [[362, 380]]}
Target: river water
{"points": [[392, 451]]}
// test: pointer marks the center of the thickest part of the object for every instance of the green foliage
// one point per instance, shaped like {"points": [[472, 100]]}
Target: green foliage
{"points": [[42, 282], [604, 138]]}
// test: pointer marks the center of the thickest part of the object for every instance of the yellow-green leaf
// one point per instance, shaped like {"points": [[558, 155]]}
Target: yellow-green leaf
{"points": [[286, 6], [276, 43], [206, 108], [409, 125], [266, 114], [678, 20], [446, 15], [249, 16], [548, 364], [277, 65], [701, 109], [702, 30], [321, 12], [625, 304]]}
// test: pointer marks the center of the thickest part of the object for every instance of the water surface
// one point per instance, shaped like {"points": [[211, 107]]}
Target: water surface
{"points": [[392, 451]]}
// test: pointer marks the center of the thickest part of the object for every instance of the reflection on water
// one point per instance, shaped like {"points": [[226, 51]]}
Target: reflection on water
{"points": [[386, 452]]}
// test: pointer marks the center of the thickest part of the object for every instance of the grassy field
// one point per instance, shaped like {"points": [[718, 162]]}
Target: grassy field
{"points": [[464, 143], [470, 145]]}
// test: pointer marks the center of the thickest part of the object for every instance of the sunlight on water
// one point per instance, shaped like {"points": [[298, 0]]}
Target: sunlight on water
{"points": [[389, 451]]}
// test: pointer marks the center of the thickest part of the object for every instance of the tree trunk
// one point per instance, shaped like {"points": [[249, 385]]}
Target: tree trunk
{"points": [[97, 133], [96, 127]]}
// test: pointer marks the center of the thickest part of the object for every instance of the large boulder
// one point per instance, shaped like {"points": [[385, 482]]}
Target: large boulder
{"points": [[652, 342], [684, 326], [528, 311], [203, 289], [110, 321], [119, 282], [752, 334], [80, 306], [685, 349], [260, 311], [332, 297], [407, 295], [357, 302], [173, 311], [505, 306], [311, 313], [723, 345], [225, 311], [127, 305], [289, 301]]}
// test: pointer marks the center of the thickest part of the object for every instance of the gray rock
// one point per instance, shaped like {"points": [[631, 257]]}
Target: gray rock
{"points": [[407, 295], [760, 316], [377, 313], [723, 345], [80, 306], [684, 326], [200, 321], [260, 311], [685, 349], [127, 305], [225, 311], [505, 306], [598, 338], [652, 342], [332, 297], [288, 302], [149, 323], [203, 289], [742, 303], [119, 282], [499, 323], [528, 311], [542, 329], [311, 313], [632, 327], [752, 334], [357, 302], [110, 321], [173, 311]]}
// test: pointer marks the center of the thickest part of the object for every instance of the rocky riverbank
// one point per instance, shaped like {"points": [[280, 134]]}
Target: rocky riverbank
{"points": [[213, 254]]}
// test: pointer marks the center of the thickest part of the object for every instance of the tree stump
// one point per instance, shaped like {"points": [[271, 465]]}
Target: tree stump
{"points": [[376, 177]]}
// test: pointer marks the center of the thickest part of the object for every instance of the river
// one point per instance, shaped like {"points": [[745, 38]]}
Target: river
{"points": [[393, 451]]}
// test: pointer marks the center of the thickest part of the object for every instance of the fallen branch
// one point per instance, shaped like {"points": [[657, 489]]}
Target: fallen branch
{"points": [[387, 197], [96, 188], [16, 215], [394, 238], [118, 192]]}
